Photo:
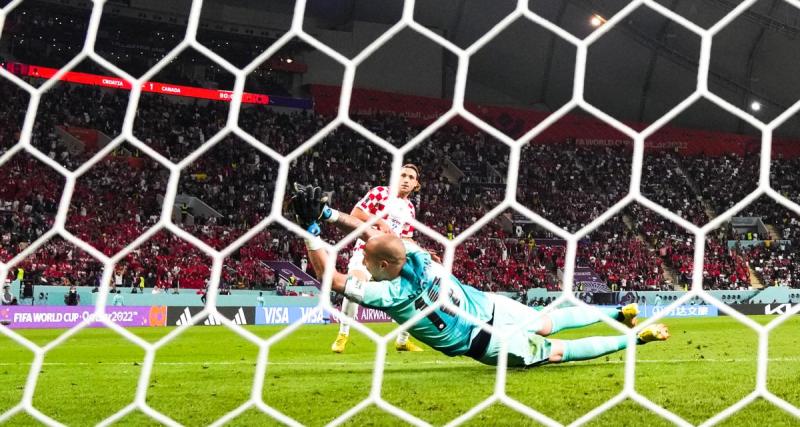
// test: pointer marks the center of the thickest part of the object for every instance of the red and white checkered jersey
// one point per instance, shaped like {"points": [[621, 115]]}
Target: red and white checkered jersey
{"points": [[394, 211]]}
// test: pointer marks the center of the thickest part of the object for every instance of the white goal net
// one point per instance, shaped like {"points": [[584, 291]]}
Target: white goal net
{"points": [[458, 109]]}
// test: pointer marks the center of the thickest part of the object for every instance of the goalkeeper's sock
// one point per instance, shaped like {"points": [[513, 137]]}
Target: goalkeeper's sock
{"points": [[350, 309], [402, 338], [590, 348], [576, 317]]}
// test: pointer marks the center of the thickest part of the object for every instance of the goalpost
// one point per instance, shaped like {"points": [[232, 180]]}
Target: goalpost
{"points": [[499, 396]]}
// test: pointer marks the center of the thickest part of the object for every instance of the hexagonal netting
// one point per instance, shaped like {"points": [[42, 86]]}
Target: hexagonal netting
{"points": [[191, 160]]}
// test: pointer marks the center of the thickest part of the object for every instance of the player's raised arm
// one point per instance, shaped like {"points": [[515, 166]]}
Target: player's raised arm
{"points": [[318, 257], [310, 207], [348, 223]]}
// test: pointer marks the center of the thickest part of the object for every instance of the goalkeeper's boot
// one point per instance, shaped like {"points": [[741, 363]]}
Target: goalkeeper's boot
{"points": [[628, 315], [407, 346], [655, 332], [340, 343]]}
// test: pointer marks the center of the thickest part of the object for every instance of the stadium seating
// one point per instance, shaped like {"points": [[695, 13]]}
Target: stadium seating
{"points": [[560, 178], [572, 185], [12, 114], [29, 199], [67, 106], [629, 256]]}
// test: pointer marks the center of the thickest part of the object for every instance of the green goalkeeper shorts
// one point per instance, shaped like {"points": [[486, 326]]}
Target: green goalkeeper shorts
{"points": [[519, 324]]}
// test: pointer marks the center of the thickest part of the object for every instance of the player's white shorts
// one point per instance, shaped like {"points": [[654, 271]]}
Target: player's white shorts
{"points": [[525, 347], [357, 262]]}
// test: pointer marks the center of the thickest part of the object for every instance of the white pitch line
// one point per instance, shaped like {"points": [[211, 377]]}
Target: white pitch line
{"points": [[422, 362]]}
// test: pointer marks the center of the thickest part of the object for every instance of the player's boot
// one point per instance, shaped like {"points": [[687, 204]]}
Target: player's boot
{"points": [[655, 332], [407, 346], [629, 313], [340, 343]]}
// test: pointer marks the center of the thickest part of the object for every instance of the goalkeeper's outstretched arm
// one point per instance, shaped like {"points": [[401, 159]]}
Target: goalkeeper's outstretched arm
{"points": [[317, 255]]}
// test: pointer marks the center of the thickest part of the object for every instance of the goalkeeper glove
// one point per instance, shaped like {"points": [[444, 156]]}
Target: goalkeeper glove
{"points": [[310, 205]]}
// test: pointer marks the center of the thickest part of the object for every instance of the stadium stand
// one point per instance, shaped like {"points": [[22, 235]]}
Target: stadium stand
{"points": [[665, 183], [237, 182], [12, 114], [86, 113], [175, 130], [572, 185], [115, 201], [29, 199], [627, 254], [565, 178]]}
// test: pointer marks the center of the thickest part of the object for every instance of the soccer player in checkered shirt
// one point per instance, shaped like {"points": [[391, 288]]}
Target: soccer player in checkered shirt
{"points": [[395, 212]]}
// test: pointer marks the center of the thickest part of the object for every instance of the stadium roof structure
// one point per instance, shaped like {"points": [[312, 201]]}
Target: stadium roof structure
{"points": [[636, 72]]}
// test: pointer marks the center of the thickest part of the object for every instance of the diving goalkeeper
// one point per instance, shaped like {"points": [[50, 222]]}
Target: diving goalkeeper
{"points": [[405, 281]]}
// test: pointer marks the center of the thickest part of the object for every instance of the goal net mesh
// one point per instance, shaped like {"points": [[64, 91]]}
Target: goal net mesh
{"points": [[217, 255]]}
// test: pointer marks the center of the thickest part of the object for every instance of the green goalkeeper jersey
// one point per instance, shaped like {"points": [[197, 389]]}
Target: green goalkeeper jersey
{"points": [[417, 288]]}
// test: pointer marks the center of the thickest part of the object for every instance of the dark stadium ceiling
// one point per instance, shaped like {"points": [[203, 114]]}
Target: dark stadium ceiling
{"points": [[636, 72]]}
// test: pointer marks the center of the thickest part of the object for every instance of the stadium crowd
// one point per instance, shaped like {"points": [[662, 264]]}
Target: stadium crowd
{"points": [[67, 106], [620, 257], [494, 260], [236, 181], [38, 31], [48, 34], [115, 201], [59, 262], [784, 176], [463, 176], [29, 199], [664, 182], [12, 114], [723, 180], [572, 185], [176, 129]]}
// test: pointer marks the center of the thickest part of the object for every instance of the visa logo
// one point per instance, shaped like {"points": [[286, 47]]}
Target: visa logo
{"points": [[273, 315]]}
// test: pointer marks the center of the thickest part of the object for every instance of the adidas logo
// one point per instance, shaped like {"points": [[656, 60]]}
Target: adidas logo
{"points": [[239, 318], [186, 317], [212, 320]]}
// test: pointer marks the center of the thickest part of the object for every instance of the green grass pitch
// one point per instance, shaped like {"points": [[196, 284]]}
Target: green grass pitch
{"points": [[708, 365]]}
